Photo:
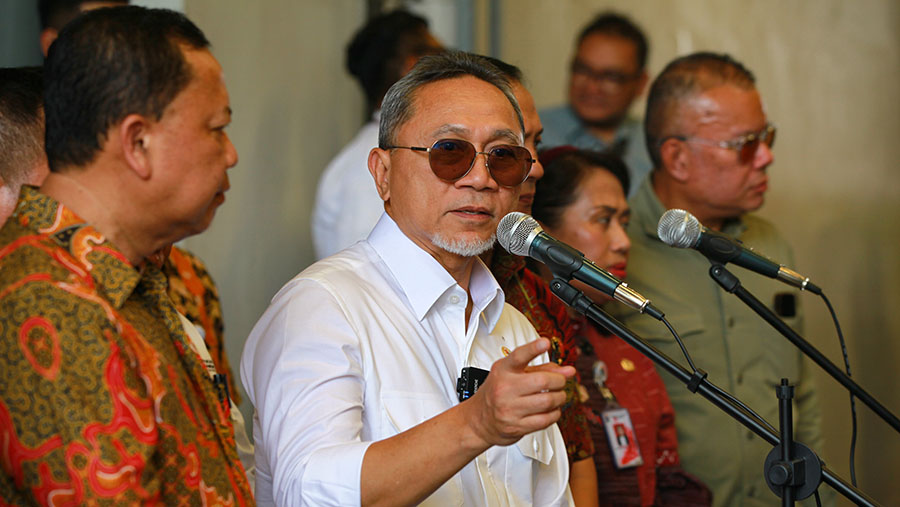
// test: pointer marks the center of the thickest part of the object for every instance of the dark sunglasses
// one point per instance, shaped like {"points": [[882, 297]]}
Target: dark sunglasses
{"points": [[745, 145], [451, 159]]}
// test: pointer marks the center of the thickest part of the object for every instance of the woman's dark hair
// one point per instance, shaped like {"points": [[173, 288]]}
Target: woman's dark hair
{"points": [[565, 168]]}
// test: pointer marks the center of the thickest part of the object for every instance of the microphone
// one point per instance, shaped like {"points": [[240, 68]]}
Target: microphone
{"points": [[680, 229], [520, 234]]}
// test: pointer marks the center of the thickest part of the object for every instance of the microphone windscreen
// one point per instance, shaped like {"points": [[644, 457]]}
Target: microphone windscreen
{"points": [[514, 230], [679, 228]]}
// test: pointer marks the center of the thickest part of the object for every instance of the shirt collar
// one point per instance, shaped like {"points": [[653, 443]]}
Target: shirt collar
{"points": [[89, 250], [579, 134], [424, 280], [649, 209]]}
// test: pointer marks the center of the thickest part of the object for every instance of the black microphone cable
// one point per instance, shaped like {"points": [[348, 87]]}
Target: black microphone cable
{"points": [[725, 394], [837, 326], [680, 229]]}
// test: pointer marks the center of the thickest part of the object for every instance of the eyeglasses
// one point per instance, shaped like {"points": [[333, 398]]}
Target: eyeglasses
{"points": [[612, 77], [451, 159], [745, 145]]}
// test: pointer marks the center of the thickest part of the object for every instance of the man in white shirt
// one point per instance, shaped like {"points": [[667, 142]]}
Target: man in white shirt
{"points": [[353, 368], [347, 204]]}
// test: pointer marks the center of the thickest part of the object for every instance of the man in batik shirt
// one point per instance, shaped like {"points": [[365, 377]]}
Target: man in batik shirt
{"points": [[102, 397]]}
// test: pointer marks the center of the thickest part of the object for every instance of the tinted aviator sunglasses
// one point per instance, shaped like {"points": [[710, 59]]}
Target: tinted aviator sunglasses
{"points": [[451, 159], [745, 145]]}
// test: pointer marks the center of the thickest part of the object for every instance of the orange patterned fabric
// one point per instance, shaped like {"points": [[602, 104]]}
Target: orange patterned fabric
{"points": [[102, 399], [194, 294], [530, 294]]}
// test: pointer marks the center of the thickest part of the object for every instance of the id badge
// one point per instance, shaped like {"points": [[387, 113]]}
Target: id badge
{"points": [[622, 441]]}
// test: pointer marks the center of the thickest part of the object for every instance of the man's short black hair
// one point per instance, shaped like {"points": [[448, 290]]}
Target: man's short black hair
{"points": [[107, 64], [59, 13], [376, 55], [512, 73], [21, 122], [612, 23]]}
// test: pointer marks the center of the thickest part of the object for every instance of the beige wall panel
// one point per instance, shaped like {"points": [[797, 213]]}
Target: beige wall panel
{"points": [[294, 107]]}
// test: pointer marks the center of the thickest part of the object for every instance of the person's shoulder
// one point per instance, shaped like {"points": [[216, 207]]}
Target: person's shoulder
{"points": [[764, 236], [557, 115], [29, 260], [761, 229], [343, 273], [45, 291], [754, 222], [184, 262]]}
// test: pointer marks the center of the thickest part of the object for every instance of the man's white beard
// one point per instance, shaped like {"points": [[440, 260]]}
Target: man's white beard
{"points": [[464, 248]]}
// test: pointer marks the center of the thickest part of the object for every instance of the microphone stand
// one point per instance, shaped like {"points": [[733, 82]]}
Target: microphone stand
{"points": [[732, 284], [697, 382]]}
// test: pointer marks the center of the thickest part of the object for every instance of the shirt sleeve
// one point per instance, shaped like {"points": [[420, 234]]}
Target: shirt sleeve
{"points": [[301, 367]]}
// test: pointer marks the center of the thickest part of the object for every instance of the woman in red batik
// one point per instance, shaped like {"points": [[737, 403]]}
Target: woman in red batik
{"points": [[581, 202]]}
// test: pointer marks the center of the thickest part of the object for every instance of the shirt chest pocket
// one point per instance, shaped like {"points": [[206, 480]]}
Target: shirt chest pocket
{"points": [[402, 410], [537, 446]]}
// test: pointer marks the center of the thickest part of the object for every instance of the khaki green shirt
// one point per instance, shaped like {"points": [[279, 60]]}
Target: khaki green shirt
{"points": [[740, 351]]}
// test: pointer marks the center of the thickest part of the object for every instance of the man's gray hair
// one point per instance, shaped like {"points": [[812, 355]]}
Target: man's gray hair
{"points": [[397, 107]]}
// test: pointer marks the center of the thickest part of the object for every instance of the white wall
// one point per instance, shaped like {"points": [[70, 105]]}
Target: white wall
{"points": [[828, 70]]}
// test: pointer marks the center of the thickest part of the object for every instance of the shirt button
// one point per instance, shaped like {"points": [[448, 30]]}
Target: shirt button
{"points": [[536, 446], [751, 491], [454, 299], [749, 435], [730, 321], [740, 379]]}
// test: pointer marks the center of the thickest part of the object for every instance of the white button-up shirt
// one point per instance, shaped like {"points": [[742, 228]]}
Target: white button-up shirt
{"points": [[347, 204], [366, 344]]}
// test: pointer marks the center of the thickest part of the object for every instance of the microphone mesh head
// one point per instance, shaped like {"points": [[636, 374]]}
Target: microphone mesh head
{"points": [[679, 228], [514, 230]]}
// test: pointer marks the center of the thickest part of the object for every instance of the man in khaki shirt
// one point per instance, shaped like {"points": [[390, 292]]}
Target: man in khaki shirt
{"points": [[710, 141]]}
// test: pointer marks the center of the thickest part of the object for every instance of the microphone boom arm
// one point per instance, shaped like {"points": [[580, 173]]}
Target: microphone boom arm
{"points": [[583, 304], [732, 284]]}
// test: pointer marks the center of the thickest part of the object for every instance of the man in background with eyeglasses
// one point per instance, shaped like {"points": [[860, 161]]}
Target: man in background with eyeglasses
{"points": [[606, 77], [710, 141], [367, 371]]}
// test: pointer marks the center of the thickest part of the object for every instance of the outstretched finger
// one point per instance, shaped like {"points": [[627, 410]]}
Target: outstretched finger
{"points": [[566, 371], [519, 358]]}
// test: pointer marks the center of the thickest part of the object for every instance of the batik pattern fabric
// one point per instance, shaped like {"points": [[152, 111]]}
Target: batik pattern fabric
{"points": [[633, 381], [102, 400], [530, 294], [194, 294]]}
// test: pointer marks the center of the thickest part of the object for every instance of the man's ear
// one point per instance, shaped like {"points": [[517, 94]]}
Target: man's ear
{"points": [[642, 83], [380, 169], [134, 136], [675, 159], [48, 35]]}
